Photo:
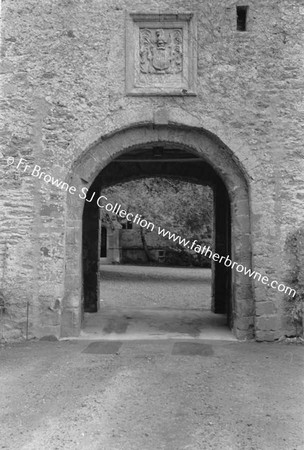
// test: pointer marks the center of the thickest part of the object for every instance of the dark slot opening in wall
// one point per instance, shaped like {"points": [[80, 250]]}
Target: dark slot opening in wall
{"points": [[103, 243], [241, 17]]}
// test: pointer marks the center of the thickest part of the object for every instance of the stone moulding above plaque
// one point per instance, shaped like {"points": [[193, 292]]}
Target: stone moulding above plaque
{"points": [[161, 54]]}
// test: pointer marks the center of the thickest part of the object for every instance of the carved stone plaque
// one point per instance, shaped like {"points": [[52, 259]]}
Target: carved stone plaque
{"points": [[160, 54], [161, 50]]}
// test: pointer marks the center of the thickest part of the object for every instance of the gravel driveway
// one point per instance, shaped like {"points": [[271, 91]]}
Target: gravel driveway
{"points": [[151, 396], [146, 287]]}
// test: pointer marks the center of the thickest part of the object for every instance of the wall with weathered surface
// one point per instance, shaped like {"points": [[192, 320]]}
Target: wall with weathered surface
{"points": [[64, 74]]}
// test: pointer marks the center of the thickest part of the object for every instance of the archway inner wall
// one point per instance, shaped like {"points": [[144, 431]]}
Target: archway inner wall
{"points": [[214, 153]]}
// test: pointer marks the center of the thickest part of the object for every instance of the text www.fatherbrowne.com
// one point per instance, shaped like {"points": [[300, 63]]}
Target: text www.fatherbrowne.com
{"points": [[116, 209], [206, 251]]}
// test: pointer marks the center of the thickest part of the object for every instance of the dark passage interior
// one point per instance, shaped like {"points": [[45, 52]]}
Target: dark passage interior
{"points": [[158, 161]]}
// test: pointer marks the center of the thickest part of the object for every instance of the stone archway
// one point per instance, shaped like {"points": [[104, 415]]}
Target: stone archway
{"points": [[233, 181]]}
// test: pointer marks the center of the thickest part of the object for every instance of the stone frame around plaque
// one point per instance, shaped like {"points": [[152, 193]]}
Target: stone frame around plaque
{"points": [[161, 54]]}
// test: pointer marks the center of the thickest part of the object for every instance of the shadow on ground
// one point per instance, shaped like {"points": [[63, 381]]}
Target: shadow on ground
{"points": [[134, 323]]}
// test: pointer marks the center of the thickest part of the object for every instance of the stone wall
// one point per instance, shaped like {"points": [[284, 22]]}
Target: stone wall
{"points": [[64, 75]]}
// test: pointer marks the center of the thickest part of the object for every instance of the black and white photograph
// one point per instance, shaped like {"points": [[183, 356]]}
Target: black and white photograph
{"points": [[152, 225]]}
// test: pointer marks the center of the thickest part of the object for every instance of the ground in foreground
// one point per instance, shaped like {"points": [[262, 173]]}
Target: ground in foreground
{"points": [[151, 395]]}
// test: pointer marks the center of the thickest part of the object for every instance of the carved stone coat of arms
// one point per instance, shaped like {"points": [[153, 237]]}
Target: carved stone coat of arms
{"points": [[161, 51]]}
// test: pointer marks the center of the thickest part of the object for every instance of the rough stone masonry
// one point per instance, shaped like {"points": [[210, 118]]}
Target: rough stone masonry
{"points": [[85, 81]]}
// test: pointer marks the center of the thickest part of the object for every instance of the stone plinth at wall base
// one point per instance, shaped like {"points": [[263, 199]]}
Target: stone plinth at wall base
{"points": [[244, 323], [261, 335], [266, 323], [243, 335], [70, 323], [265, 308]]}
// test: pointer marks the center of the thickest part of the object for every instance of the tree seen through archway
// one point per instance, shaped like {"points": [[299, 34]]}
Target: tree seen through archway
{"points": [[183, 208]]}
